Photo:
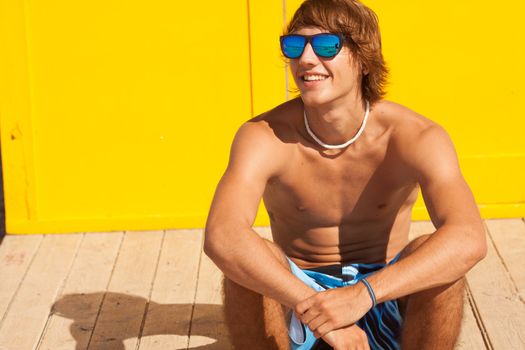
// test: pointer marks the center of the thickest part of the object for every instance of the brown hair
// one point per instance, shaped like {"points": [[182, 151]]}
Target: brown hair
{"points": [[359, 26]]}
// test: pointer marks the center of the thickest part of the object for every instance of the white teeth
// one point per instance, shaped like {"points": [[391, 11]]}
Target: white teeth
{"points": [[314, 77]]}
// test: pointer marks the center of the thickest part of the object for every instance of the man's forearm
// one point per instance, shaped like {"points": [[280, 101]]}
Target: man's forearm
{"points": [[443, 258], [245, 258]]}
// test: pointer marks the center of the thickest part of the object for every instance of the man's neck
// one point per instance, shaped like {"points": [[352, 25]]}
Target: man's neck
{"points": [[337, 122]]}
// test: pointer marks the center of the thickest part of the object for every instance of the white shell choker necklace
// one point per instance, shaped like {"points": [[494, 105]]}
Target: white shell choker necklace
{"points": [[343, 145]]}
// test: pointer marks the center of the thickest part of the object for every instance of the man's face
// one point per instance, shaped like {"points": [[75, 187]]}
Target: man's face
{"points": [[323, 80]]}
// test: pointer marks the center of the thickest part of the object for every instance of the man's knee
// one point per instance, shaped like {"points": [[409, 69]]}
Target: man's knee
{"points": [[433, 314], [413, 245], [446, 298], [239, 297], [448, 293], [253, 320]]}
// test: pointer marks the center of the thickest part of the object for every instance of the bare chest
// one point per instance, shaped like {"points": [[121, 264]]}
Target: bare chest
{"points": [[328, 192]]}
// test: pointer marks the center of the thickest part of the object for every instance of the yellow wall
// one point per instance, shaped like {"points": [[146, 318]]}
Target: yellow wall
{"points": [[119, 115]]}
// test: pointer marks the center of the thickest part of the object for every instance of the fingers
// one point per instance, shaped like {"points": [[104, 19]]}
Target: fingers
{"points": [[322, 329], [326, 311], [309, 316], [315, 322], [309, 313], [304, 305], [320, 322], [316, 313]]}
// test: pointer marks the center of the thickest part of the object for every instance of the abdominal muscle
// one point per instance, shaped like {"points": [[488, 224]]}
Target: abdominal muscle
{"points": [[377, 241]]}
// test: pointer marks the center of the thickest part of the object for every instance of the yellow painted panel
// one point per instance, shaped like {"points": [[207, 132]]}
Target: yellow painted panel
{"points": [[267, 66], [461, 64], [15, 115], [120, 115], [133, 107], [489, 178]]}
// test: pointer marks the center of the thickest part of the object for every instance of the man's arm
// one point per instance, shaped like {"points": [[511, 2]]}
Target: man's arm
{"points": [[456, 246], [459, 241], [230, 242], [236, 249]]}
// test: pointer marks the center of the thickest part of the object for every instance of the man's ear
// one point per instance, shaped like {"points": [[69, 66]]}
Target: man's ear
{"points": [[364, 69]]}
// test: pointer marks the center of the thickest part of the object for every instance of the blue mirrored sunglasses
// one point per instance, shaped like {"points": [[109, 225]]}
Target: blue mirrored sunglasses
{"points": [[325, 45]]}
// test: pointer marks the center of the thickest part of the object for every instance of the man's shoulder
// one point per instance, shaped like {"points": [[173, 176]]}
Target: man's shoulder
{"points": [[415, 137], [409, 127], [261, 144], [276, 126], [403, 119]]}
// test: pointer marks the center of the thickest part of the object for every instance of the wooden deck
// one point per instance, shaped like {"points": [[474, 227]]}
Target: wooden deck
{"points": [[155, 290]]}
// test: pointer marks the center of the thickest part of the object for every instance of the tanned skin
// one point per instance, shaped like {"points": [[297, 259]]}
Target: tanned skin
{"points": [[342, 206]]}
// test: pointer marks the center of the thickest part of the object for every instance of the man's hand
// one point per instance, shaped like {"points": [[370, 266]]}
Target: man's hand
{"points": [[334, 308], [347, 338]]}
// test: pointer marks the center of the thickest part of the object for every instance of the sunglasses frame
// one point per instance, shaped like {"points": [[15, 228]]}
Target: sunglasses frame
{"points": [[309, 40]]}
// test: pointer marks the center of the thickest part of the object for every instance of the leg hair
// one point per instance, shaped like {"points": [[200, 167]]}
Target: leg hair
{"points": [[432, 318], [254, 321]]}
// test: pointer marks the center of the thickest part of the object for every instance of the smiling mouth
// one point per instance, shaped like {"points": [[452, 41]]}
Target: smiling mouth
{"points": [[315, 77]]}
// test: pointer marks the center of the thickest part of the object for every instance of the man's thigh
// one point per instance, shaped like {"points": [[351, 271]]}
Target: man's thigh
{"points": [[429, 303], [253, 320]]}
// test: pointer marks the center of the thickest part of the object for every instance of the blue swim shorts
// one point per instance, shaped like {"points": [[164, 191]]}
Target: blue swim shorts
{"points": [[382, 324]]}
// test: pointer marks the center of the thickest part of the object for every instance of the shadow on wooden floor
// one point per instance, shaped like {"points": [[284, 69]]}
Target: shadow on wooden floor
{"points": [[162, 319]]}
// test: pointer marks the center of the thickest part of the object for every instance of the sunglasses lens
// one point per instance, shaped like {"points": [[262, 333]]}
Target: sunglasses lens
{"points": [[326, 45], [293, 45]]}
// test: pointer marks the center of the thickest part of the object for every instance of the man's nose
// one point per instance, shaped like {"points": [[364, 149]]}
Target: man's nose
{"points": [[308, 57]]}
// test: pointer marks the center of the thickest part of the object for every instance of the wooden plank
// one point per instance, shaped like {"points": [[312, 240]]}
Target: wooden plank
{"points": [[264, 232], [470, 336], [207, 325], [208, 328], [16, 254], [509, 239], [74, 312], [119, 322], [419, 228], [29, 310], [498, 303], [169, 312]]}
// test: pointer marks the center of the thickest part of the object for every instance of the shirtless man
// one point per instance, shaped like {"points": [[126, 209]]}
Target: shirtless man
{"points": [[340, 216]]}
